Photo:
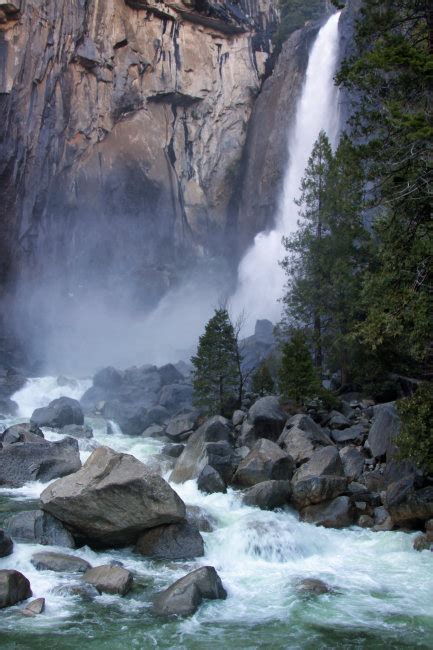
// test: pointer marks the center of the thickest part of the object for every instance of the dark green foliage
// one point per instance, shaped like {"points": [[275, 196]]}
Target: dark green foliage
{"points": [[216, 376], [393, 75], [416, 438], [298, 379], [262, 381]]}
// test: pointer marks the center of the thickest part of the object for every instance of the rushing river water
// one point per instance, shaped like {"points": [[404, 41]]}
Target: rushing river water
{"points": [[382, 589]]}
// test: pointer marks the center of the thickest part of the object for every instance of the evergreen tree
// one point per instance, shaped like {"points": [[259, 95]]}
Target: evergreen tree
{"points": [[298, 378], [416, 438], [216, 376], [262, 381]]}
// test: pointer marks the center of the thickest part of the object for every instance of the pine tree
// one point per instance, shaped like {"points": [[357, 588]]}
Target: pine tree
{"points": [[298, 378], [262, 381], [216, 376]]}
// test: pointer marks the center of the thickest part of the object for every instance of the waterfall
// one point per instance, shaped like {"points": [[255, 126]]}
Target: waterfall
{"points": [[260, 278]]}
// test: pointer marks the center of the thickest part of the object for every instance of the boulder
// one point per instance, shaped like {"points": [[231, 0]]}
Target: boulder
{"points": [[169, 374], [323, 461], [27, 432], [80, 431], [404, 503], [34, 608], [112, 499], [39, 527], [184, 597], [131, 418], [238, 417], [354, 433], [109, 579], [266, 461], [365, 521], [209, 481], [337, 513], [85, 591], [47, 561], [181, 427], [423, 542], [172, 542], [353, 462], [38, 461], [8, 406], [316, 489], [337, 421], [14, 587], [265, 419], [58, 413], [6, 544], [268, 495], [209, 445], [108, 378], [172, 450], [385, 428], [312, 587], [200, 518], [175, 397], [301, 437]]}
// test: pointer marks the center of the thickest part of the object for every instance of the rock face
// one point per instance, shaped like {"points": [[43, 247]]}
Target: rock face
{"points": [[40, 460], [173, 542], [112, 499], [39, 527], [14, 587], [184, 597], [136, 109]]}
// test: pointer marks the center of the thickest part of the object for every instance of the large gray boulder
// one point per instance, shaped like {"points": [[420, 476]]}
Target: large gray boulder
{"points": [[39, 527], [181, 427], [353, 460], [14, 587], [112, 499], [301, 437], [109, 579], [209, 481], [175, 397], [21, 462], [337, 513], [209, 445], [26, 432], [80, 431], [172, 542], [386, 426], [266, 461], [6, 544], [200, 518], [406, 504], [268, 495], [317, 489], [355, 433], [265, 419], [184, 597], [48, 561], [324, 461], [58, 413]]}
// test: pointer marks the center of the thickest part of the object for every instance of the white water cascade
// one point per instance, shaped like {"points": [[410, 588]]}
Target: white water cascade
{"points": [[260, 278]]}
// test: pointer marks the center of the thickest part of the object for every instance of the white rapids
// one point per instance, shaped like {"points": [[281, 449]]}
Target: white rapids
{"points": [[260, 278], [380, 585]]}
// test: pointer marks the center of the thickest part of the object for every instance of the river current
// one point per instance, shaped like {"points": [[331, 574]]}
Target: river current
{"points": [[382, 590]]}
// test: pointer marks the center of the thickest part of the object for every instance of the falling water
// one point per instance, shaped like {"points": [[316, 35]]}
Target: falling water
{"points": [[260, 278]]}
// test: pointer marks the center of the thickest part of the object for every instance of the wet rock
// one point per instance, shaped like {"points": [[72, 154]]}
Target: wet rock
{"points": [[131, 418], [316, 489], [6, 544], [39, 527], [354, 433], [238, 417], [266, 461], [86, 592], [109, 579], [385, 428], [265, 419], [423, 542], [62, 380], [404, 503], [268, 495], [108, 378], [34, 608], [209, 481], [301, 437], [209, 445], [174, 451], [27, 432], [200, 518], [172, 542], [353, 462], [175, 397], [365, 521], [313, 586], [324, 461], [47, 561], [81, 431], [182, 426], [337, 513], [184, 597], [38, 461], [112, 499], [58, 413], [14, 587], [155, 431]]}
